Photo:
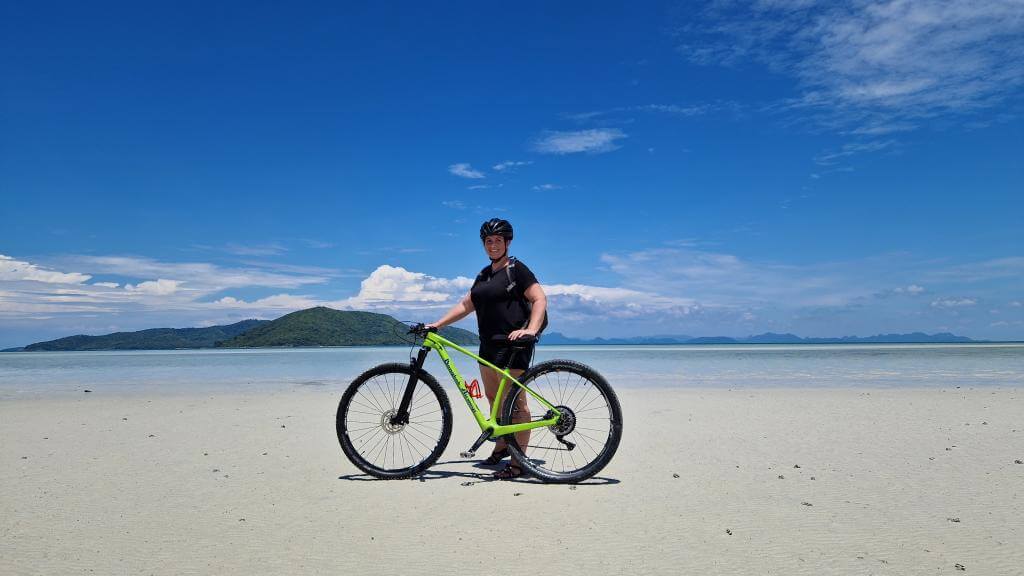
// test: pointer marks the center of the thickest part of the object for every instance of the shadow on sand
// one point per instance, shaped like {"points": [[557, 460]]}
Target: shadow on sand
{"points": [[433, 473]]}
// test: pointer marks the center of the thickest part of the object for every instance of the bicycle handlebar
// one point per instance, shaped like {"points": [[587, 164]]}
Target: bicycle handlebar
{"points": [[421, 329], [503, 339]]}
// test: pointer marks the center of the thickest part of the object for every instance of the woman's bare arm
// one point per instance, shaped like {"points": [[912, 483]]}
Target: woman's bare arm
{"points": [[458, 312], [539, 302]]}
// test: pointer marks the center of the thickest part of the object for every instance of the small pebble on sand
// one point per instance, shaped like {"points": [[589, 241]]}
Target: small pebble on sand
{"points": [[806, 504], [677, 475]]}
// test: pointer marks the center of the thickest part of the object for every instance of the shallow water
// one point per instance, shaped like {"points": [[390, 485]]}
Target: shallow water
{"points": [[727, 366]]}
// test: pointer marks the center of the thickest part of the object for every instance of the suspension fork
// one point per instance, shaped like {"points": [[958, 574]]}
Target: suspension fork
{"points": [[402, 416]]}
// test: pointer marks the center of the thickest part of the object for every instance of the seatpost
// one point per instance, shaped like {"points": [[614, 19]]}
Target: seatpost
{"points": [[402, 416]]}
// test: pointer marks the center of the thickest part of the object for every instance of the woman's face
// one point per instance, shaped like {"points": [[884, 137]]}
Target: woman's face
{"points": [[495, 246]]}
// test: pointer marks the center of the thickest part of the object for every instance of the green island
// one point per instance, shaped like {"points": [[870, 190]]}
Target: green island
{"points": [[320, 326]]}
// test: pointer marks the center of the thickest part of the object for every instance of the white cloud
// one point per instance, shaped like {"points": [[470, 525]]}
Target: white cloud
{"points": [[106, 284], [276, 302], [510, 165], [464, 170], [913, 290], [456, 204], [877, 66], [1016, 304], [159, 287], [954, 302], [11, 270], [593, 141], [203, 275], [547, 187], [394, 287], [581, 301]]}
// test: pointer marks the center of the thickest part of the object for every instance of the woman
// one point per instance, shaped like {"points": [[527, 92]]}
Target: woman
{"points": [[500, 312]]}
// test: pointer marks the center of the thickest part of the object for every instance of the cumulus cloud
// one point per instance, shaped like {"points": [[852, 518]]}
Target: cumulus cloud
{"points": [[593, 141], [394, 287], [159, 287], [464, 170], [11, 270], [166, 287]]}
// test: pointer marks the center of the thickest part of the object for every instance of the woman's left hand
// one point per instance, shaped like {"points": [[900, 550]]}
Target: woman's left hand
{"points": [[517, 334]]}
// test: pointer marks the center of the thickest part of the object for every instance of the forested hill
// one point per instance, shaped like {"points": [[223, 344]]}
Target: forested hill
{"points": [[318, 326], [323, 326], [152, 339]]}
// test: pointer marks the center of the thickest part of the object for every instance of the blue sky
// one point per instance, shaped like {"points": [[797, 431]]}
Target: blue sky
{"points": [[671, 168]]}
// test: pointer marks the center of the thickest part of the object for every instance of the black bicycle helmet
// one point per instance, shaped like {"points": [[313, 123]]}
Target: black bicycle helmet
{"points": [[496, 227]]}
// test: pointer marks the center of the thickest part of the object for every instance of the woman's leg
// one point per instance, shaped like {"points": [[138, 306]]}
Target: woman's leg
{"points": [[491, 380], [521, 413]]}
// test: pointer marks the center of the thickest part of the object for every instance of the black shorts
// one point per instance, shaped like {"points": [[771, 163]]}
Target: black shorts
{"points": [[499, 353]]}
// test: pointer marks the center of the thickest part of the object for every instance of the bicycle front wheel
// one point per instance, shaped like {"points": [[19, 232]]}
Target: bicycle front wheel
{"points": [[386, 450], [584, 439]]}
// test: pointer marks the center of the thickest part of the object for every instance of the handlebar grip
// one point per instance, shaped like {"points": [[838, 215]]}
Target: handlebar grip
{"points": [[503, 339], [420, 329]]}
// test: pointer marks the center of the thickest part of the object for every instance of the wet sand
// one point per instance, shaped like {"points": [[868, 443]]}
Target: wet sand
{"points": [[764, 481]]}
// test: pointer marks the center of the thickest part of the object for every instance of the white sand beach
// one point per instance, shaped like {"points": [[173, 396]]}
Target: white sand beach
{"points": [[762, 481]]}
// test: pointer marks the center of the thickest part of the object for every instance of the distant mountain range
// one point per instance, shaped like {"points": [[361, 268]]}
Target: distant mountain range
{"points": [[323, 326], [318, 326], [766, 338], [152, 339]]}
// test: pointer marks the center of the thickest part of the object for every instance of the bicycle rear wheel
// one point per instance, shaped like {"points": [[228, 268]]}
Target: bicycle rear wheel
{"points": [[584, 439], [373, 443]]}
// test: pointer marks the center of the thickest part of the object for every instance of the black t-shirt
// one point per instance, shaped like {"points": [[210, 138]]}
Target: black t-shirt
{"points": [[498, 309]]}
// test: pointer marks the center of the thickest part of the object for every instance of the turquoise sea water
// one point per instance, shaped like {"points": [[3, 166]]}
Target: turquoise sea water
{"points": [[734, 366]]}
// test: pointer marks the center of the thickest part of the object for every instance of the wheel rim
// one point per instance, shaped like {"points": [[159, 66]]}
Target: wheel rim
{"points": [[380, 443], [587, 423]]}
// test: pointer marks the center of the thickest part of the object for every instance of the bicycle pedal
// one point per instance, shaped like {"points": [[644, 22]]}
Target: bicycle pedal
{"points": [[469, 454]]}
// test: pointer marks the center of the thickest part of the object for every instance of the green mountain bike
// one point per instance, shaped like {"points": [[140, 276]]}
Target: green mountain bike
{"points": [[394, 420]]}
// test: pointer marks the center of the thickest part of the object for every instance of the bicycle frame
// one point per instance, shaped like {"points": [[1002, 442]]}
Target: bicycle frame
{"points": [[434, 341]]}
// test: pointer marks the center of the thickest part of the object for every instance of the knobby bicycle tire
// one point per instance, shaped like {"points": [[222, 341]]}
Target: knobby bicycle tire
{"points": [[384, 450], [595, 429]]}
